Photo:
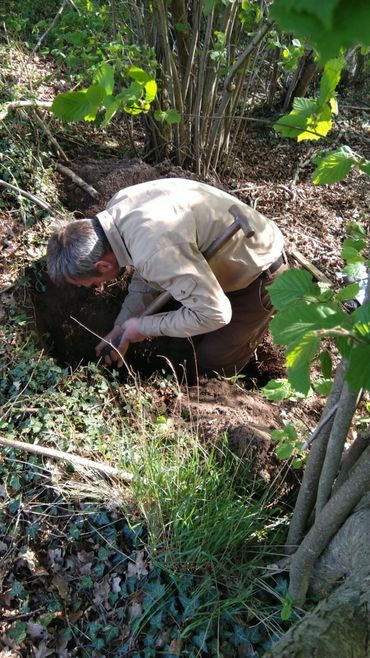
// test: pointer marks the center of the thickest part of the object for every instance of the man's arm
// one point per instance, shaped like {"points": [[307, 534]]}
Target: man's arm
{"points": [[139, 295]]}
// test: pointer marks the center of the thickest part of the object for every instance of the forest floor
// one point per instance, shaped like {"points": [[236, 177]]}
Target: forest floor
{"points": [[67, 566]]}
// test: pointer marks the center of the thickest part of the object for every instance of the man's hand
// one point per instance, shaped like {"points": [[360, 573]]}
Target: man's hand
{"points": [[129, 333]]}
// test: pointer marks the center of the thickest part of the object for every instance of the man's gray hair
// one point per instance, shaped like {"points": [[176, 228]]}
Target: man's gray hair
{"points": [[74, 249]]}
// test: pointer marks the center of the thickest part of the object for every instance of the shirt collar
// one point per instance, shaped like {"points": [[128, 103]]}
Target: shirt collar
{"points": [[114, 238]]}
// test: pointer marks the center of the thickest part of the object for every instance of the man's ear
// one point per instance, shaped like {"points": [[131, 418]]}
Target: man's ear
{"points": [[107, 264], [104, 266]]}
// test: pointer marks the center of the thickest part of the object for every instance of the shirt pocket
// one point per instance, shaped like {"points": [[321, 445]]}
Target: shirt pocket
{"points": [[183, 288]]}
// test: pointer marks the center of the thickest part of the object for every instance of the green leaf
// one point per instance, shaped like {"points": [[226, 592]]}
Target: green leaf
{"points": [[351, 254], [330, 26], [358, 373], [355, 230], [357, 243], [18, 632], [290, 325], [170, 116], [365, 167], [355, 270], [322, 386], [72, 106], [287, 609], [279, 389], [150, 91], [333, 166], [299, 377], [104, 76], [96, 95], [111, 111], [330, 79], [326, 363], [284, 451], [291, 285], [361, 318], [303, 350], [139, 75]]}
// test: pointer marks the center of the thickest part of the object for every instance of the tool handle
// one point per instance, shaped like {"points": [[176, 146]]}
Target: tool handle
{"points": [[112, 344]]}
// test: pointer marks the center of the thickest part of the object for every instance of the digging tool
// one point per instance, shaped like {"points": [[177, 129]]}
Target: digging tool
{"points": [[240, 222]]}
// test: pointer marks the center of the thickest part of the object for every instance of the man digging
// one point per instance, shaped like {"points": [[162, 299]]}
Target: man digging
{"points": [[209, 251]]}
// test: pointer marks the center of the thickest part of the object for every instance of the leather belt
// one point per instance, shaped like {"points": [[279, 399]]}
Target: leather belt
{"points": [[282, 260]]}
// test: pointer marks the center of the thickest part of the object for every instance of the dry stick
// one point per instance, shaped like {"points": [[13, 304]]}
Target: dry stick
{"points": [[39, 202], [59, 12], [66, 456], [15, 105], [319, 427], [308, 489], [326, 525], [77, 180], [47, 131]]}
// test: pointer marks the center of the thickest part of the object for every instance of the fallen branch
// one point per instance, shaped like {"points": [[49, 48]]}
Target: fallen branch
{"points": [[66, 456], [77, 180], [14, 105], [39, 202], [298, 256]]}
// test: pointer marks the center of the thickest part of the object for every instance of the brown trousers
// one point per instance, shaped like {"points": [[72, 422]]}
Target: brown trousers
{"points": [[229, 349]]}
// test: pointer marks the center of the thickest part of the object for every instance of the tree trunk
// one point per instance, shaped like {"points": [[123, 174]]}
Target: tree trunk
{"points": [[337, 628]]}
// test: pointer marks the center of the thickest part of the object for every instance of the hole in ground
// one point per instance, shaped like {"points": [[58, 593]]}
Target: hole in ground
{"points": [[61, 312]]}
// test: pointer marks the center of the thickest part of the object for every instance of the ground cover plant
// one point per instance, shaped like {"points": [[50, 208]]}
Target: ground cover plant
{"points": [[179, 552]]}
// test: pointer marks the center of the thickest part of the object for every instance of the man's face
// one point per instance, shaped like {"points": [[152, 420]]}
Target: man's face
{"points": [[107, 269]]}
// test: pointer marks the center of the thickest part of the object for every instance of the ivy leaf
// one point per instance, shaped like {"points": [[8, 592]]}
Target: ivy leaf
{"points": [[104, 76], [333, 166], [291, 285], [18, 632]]}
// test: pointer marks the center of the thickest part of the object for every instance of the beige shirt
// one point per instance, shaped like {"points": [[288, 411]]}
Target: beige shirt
{"points": [[161, 228]]}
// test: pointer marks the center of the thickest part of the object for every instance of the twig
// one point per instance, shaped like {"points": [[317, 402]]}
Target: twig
{"points": [[77, 180], [298, 256], [39, 202], [319, 427], [47, 131], [14, 105], [59, 12], [66, 456]]}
